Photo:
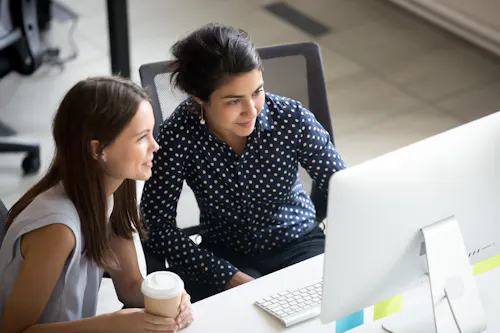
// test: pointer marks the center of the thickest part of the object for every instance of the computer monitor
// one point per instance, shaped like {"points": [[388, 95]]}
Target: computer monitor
{"points": [[446, 188]]}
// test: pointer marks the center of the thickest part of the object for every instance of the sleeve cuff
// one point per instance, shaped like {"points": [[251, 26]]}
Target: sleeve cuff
{"points": [[222, 272]]}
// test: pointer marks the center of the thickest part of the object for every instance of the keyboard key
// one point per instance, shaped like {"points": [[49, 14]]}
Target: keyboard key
{"points": [[274, 307]]}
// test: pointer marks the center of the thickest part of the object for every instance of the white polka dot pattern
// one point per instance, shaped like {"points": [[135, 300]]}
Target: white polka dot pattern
{"points": [[250, 203]]}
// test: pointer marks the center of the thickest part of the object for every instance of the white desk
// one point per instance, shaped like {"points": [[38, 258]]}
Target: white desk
{"points": [[233, 311]]}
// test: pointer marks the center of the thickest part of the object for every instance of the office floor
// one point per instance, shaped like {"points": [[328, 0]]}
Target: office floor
{"points": [[392, 78]]}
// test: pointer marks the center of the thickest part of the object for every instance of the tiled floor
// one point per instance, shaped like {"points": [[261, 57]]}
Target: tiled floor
{"points": [[393, 79]]}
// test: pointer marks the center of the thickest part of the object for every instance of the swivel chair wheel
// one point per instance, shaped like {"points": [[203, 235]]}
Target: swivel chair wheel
{"points": [[31, 163]]}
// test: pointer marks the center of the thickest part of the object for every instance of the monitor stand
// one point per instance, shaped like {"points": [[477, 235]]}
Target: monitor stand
{"points": [[455, 299]]}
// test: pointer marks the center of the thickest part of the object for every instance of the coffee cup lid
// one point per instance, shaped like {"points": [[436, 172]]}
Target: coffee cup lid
{"points": [[162, 285]]}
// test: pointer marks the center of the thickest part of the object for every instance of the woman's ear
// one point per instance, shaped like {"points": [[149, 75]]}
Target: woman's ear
{"points": [[95, 150], [198, 100]]}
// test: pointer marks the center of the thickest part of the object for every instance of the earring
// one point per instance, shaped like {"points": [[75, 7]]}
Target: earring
{"points": [[202, 119]]}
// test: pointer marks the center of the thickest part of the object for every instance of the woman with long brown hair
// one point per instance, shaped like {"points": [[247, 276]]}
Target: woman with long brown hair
{"points": [[79, 219]]}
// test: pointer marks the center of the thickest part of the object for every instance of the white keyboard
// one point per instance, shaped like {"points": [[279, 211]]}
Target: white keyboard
{"points": [[294, 306]]}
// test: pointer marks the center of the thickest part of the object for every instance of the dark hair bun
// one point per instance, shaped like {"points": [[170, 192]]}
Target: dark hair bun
{"points": [[207, 55]]}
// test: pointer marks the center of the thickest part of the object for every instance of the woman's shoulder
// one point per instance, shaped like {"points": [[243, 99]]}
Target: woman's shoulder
{"points": [[278, 102], [284, 112], [181, 126], [56, 238], [51, 206], [184, 115]]}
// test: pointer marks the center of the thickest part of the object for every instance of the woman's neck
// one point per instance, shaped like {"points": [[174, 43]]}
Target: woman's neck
{"points": [[237, 143], [112, 184]]}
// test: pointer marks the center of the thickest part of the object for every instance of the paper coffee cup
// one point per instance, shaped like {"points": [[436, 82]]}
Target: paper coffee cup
{"points": [[162, 294]]}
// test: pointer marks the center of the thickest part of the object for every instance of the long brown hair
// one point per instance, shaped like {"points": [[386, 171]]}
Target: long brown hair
{"points": [[97, 108]]}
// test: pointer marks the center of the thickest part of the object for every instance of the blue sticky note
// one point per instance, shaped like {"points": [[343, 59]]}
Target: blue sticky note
{"points": [[347, 323]]}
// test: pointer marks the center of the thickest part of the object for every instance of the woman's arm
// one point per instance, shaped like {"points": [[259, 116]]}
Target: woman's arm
{"points": [[127, 279], [45, 252], [316, 152], [159, 207]]}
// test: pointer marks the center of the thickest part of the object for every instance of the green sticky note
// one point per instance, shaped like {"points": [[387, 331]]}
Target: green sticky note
{"points": [[388, 307], [486, 265]]}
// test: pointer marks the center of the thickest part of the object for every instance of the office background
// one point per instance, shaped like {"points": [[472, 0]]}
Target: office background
{"points": [[392, 78]]}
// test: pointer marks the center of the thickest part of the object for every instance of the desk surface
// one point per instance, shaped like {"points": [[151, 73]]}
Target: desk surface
{"points": [[233, 311]]}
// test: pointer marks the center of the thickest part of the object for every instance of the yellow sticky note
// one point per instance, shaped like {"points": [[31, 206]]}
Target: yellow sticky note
{"points": [[388, 307], [486, 265]]}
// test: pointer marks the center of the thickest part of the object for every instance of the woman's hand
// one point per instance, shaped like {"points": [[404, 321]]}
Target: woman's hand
{"points": [[238, 279], [138, 321], [185, 317]]}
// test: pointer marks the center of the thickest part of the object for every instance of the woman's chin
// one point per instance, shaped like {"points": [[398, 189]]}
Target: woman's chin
{"points": [[144, 174], [245, 131]]}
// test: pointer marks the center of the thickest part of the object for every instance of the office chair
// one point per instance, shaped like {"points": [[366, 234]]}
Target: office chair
{"points": [[290, 70], [3, 219], [20, 50]]}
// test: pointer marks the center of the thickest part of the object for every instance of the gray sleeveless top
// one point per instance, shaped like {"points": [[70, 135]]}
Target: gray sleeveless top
{"points": [[75, 294]]}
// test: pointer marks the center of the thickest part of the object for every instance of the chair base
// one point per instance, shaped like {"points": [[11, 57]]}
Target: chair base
{"points": [[31, 163]]}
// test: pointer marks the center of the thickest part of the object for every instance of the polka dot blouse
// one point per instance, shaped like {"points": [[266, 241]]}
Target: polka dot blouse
{"points": [[251, 203]]}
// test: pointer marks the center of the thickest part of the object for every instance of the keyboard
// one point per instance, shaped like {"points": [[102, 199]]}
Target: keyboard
{"points": [[294, 306]]}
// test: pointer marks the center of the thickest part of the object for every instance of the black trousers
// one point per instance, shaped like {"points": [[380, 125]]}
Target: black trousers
{"points": [[306, 247]]}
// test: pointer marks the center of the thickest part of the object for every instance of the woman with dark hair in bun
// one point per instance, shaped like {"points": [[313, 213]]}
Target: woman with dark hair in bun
{"points": [[239, 149]]}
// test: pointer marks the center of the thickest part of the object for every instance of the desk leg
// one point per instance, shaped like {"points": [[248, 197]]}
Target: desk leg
{"points": [[118, 37]]}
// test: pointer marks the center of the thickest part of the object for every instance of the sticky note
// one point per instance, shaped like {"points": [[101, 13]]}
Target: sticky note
{"points": [[486, 265], [388, 307], [350, 322]]}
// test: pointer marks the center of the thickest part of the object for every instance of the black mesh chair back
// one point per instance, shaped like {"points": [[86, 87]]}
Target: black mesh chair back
{"points": [[3, 220]]}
